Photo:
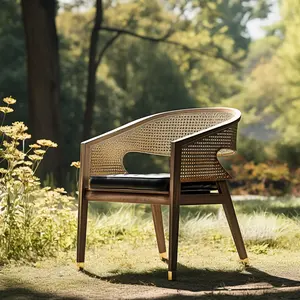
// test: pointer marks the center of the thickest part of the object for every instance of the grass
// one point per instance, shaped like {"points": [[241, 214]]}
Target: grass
{"points": [[267, 224], [122, 260]]}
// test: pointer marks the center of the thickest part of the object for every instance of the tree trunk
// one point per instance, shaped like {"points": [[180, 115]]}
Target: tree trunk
{"points": [[43, 78], [92, 69]]}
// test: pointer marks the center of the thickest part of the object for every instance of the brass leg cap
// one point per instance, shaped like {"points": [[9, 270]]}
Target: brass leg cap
{"points": [[80, 266], [171, 275], [245, 262], [163, 256]]}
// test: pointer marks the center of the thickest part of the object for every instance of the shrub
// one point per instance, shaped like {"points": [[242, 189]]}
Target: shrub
{"points": [[261, 179], [289, 153], [35, 222]]}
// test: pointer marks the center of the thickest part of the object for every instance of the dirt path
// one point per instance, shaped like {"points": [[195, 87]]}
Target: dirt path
{"points": [[138, 274]]}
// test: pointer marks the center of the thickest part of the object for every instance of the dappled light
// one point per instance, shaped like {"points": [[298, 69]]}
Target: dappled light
{"points": [[73, 72]]}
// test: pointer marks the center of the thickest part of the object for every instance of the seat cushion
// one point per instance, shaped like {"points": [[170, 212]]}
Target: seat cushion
{"points": [[153, 182]]}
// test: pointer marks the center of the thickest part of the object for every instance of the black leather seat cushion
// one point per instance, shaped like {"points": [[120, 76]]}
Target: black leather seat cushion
{"points": [[154, 182]]}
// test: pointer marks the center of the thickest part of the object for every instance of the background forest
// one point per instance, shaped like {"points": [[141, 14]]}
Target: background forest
{"points": [[109, 62]]}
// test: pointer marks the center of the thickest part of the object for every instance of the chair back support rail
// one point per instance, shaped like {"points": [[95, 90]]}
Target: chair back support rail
{"points": [[200, 133]]}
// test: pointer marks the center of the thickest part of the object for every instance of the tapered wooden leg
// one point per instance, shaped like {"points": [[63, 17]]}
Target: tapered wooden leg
{"points": [[173, 241], [233, 222], [81, 232], [159, 230]]}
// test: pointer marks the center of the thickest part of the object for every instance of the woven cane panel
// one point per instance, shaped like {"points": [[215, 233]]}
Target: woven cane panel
{"points": [[153, 137], [199, 160]]}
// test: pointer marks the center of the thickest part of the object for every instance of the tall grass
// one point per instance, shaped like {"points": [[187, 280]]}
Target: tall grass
{"points": [[275, 225]]}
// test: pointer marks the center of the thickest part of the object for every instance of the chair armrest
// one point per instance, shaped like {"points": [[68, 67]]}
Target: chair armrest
{"points": [[199, 153]]}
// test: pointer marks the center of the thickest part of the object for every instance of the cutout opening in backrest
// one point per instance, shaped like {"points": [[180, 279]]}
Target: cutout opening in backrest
{"points": [[143, 163]]}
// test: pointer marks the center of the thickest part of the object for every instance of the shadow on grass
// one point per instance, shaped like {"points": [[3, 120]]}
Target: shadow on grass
{"points": [[12, 289], [196, 280], [287, 295], [26, 293]]}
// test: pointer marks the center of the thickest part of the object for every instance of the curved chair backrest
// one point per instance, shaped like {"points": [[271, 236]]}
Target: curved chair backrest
{"points": [[153, 135]]}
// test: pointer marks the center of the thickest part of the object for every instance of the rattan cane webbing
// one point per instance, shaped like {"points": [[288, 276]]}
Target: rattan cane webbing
{"points": [[155, 136], [199, 160]]}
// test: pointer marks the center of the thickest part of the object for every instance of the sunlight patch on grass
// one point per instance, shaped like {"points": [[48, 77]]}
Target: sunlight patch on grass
{"points": [[263, 226]]}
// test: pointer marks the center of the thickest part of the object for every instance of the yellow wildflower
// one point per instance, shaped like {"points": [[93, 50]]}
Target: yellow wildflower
{"points": [[16, 132], [8, 156], [3, 171], [9, 100], [7, 130], [25, 174], [18, 155], [39, 152], [47, 143], [23, 136], [6, 110], [60, 190], [35, 157], [19, 126], [28, 163], [8, 145], [22, 170], [75, 164], [34, 146], [19, 162]]}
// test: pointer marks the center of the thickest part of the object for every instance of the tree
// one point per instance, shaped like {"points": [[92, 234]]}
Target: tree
{"points": [[43, 76], [235, 15], [162, 34], [270, 96], [262, 86], [229, 17], [288, 66]]}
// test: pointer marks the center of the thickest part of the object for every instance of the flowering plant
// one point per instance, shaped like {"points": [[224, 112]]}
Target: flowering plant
{"points": [[35, 221]]}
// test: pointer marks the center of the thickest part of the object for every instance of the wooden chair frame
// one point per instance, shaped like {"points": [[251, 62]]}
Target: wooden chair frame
{"points": [[193, 151]]}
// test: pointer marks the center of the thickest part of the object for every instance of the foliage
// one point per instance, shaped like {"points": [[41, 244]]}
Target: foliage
{"points": [[252, 150], [289, 153], [136, 77], [233, 16], [267, 178], [12, 55], [288, 54], [262, 86], [35, 221], [270, 96]]}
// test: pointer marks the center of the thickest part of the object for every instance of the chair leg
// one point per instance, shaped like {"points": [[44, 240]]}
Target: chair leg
{"points": [[173, 241], [81, 232], [233, 222], [159, 231]]}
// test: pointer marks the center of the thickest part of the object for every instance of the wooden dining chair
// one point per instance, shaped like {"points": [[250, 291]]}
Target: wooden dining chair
{"points": [[193, 139]]}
